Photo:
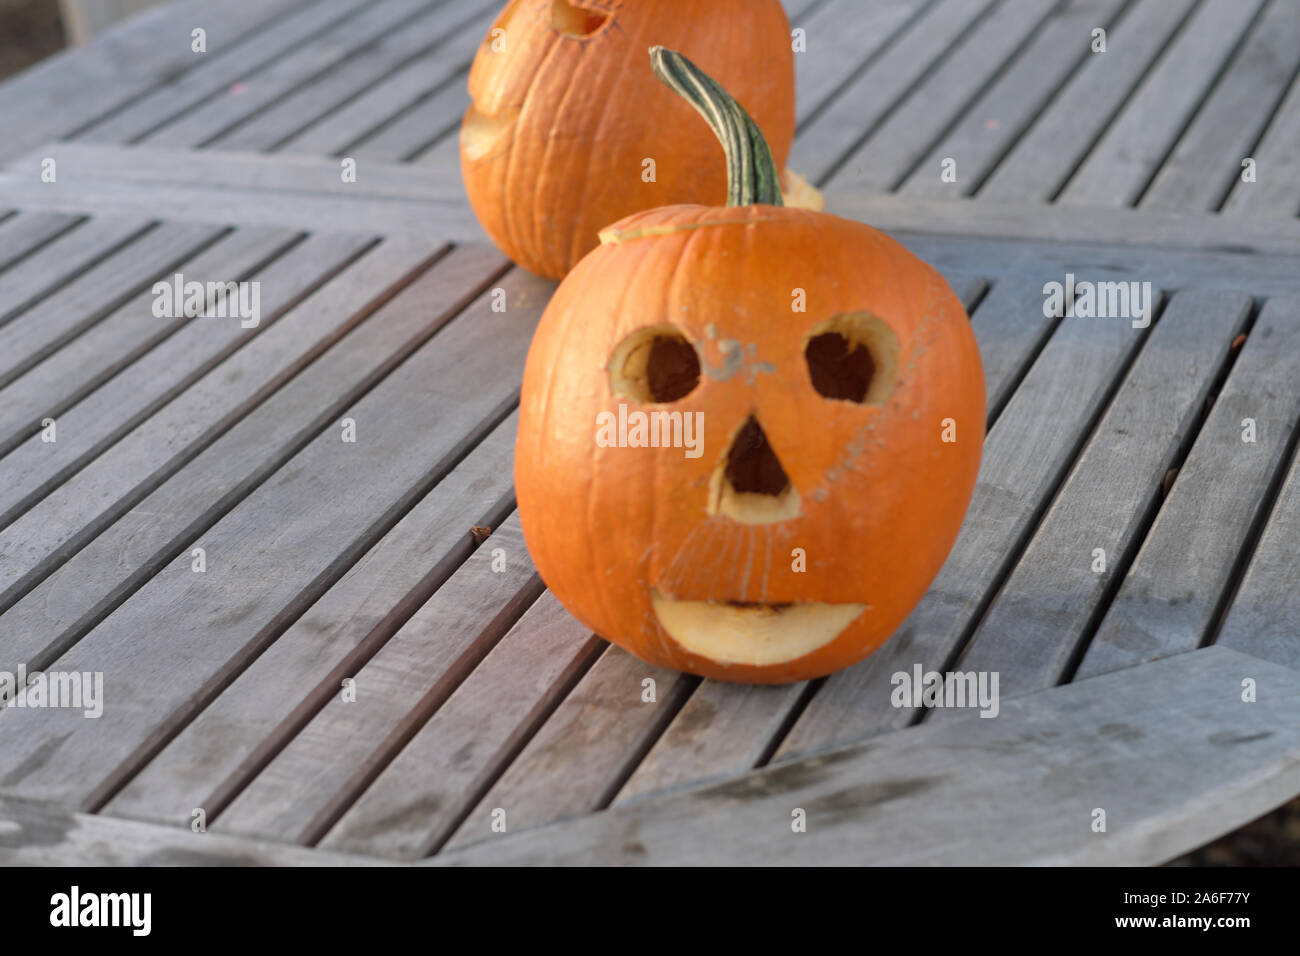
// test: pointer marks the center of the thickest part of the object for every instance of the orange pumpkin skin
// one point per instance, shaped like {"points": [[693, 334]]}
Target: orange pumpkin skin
{"points": [[553, 146], [882, 495]]}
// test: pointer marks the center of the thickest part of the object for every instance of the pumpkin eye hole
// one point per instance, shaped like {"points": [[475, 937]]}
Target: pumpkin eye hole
{"points": [[854, 358], [574, 22], [655, 366]]}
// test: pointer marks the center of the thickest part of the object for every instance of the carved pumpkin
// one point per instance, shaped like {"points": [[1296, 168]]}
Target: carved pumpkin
{"points": [[812, 467], [569, 132]]}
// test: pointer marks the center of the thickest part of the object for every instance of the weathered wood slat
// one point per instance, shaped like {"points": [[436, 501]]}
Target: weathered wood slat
{"points": [[894, 148], [47, 270], [69, 90], [98, 419], [87, 361], [1168, 751], [350, 78], [416, 102], [138, 505], [1264, 615], [216, 73], [1207, 159], [864, 102], [23, 233], [288, 72], [1032, 631], [422, 795], [1277, 157], [1045, 156], [323, 769], [1129, 154], [1027, 452], [1171, 594], [38, 834], [212, 759], [176, 642], [992, 125]]}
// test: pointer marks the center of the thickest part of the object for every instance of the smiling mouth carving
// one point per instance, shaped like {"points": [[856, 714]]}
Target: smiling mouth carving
{"points": [[750, 633]]}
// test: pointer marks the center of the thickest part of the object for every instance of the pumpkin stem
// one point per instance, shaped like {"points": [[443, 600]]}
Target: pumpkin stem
{"points": [[752, 176]]}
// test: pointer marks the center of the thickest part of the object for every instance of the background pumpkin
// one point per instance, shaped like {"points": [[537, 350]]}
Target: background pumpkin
{"points": [[564, 113], [822, 430]]}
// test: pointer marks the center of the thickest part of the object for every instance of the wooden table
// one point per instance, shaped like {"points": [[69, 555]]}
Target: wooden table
{"points": [[1129, 565]]}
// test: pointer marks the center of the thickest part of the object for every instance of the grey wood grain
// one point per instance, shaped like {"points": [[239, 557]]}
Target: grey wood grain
{"points": [[893, 149], [414, 42], [23, 233], [110, 411], [1273, 195], [66, 91], [1041, 614], [1264, 617], [1129, 154], [51, 385], [1171, 594], [995, 122], [177, 641], [320, 772], [39, 834], [865, 101], [1027, 453], [1168, 750], [49, 268], [422, 795], [213, 758], [1207, 160], [1045, 156], [141, 503], [286, 73], [423, 98]]}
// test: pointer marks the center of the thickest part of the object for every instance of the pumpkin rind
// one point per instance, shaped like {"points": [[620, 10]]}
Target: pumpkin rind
{"points": [[553, 145]]}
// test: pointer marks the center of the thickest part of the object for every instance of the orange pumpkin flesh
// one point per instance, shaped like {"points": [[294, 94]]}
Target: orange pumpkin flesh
{"points": [[822, 497], [564, 114]]}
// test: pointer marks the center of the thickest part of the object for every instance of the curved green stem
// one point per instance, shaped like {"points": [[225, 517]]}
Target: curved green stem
{"points": [[752, 176]]}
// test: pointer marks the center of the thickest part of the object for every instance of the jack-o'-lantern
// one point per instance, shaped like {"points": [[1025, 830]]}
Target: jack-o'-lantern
{"points": [[568, 132], [748, 434]]}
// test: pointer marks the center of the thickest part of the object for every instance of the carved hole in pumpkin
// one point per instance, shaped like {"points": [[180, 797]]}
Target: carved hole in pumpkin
{"points": [[481, 132], [854, 358], [655, 366], [749, 484], [573, 21]]}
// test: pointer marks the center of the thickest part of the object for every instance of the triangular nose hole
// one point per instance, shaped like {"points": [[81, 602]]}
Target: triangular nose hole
{"points": [[749, 484], [752, 466]]}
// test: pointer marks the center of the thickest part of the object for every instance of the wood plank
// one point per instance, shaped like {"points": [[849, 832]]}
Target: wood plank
{"points": [[1207, 160], [867, 100], [412, 43], [1264, 618], [1274, 194], [1167, 750], [174, 644], [1027, 453], [1033, 630], [142, 502], [68, 90], [415, 103], [1171, 595], [893, 149], [49, 387], [1045, 156], [323, 770], [38, 834], [216, 73], [580, 756], [102, 416], [213, 758], [1130, 153], [422, 795], [994, 123], [23, 233], [290, 71], [47, 270]]}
